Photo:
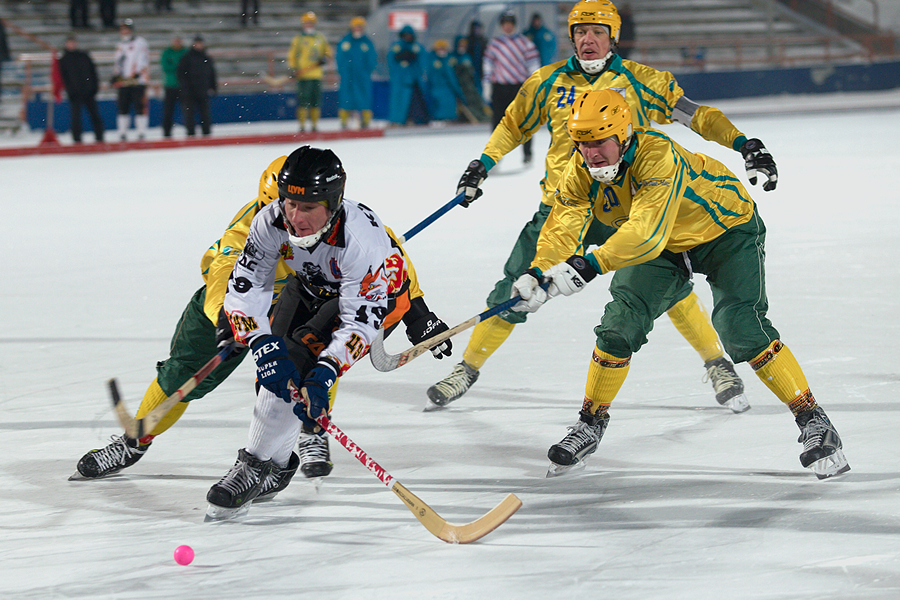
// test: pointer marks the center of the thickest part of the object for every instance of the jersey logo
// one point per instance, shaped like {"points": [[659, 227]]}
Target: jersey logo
{"points": [[334, 268], [241, 325], [286, 251], [373, 285], [397, 273], [296, 189]]}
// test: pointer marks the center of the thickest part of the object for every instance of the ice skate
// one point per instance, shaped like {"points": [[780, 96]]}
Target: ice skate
{"points": [[122, 452], [822, 452], [278, 479], [452, 386], [315, 459], [581, 441], [727, 384], [232, 495]]}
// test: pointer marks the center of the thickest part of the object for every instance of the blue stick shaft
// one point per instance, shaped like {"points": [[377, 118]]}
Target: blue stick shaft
{"points": [[433, 217]]}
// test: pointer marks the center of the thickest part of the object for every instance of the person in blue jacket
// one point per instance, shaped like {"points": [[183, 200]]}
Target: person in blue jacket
{"points": [[543, 38], [356, 59], [405, 59], [443, 87]]}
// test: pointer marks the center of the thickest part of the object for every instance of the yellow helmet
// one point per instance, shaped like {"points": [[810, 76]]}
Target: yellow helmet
{"points": [[596, 12], [268, 181], [441, 45], [357, 22], [599, 114], [309, 17]]}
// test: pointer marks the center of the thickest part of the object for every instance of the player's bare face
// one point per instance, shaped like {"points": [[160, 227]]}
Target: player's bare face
{"points": [[591, 41], [601, 153], [305, 217]]}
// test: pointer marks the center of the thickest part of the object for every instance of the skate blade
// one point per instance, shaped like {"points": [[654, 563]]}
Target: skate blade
{"points": [[220, 513], [738, 404], [830, 466], [556, 470], [76, 476], [432, 407]]}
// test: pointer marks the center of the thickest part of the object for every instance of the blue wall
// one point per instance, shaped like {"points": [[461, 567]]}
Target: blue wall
{"points": [[698, 86]]}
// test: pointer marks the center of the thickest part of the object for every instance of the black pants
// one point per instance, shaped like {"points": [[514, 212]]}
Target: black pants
{"points": [[90, 103], [171, 98], [193, 103], [502, 95], [245, 4], [132, 96], [78, 13], [108, 13]]}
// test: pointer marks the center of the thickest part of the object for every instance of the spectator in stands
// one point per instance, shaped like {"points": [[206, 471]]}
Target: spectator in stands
{"points": [[626, 32], [443, 87], [169, 60], [542, 38], [254, 16], [308, 54], [407, 70], [108, 13], [472, 106], [79, 74], [356, 58], [163, 5], [197, 80], [4, 53], [477, 44], [78, 14], [131, 74], [508, 61]]}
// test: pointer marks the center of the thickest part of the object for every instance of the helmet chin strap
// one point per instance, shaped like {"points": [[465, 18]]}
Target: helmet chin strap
{"points": [[593, 67]]}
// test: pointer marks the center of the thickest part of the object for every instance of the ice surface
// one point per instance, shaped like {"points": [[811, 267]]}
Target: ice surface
{"points": [[682, 500]]}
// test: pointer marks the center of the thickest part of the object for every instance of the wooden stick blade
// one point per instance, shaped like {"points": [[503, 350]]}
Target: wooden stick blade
{"points": [[383, 361], [450, 532]]}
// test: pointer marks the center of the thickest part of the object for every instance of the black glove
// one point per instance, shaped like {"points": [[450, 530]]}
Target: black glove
{"points": [[757, 158], [473, 177], [225, 336], [426, 327], [274, 369]]}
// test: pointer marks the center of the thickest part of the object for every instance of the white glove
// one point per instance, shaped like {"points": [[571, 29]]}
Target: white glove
{"points": [[529, 289], [569, 277], [486, 92]]}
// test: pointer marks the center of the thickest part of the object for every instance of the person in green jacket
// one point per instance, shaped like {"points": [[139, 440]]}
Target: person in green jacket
{"points": [[169, 63]]}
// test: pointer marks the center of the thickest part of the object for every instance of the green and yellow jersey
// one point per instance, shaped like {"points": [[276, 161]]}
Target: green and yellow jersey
{"points": [[664, 198], [547, 97], [307, 54]]}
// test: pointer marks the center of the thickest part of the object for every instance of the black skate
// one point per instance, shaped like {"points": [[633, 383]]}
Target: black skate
{"points": [[315, 459], [278, 479], [122, 452], [232, 495], [822, 452], [452, 386], [579, 443], [727, 384]]}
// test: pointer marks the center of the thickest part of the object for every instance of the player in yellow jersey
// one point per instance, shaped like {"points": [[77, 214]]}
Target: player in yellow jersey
{"points": [[195, 343], [674, 213], [544, 100]]}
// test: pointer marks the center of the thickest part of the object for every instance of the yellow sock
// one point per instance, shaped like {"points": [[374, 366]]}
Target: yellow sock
{"points": [[366, 118], [486, 338], [301, 115], [153, 398], [344, 116], [779, 370], [606, 375], [314, 114], [692, 321]]}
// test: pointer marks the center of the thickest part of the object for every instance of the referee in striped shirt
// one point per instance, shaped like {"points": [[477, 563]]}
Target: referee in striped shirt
{"points": [[509, 59]]}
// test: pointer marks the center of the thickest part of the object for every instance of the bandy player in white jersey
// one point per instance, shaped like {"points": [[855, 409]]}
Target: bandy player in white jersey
{"points": [[131, 74], [350, 271]]}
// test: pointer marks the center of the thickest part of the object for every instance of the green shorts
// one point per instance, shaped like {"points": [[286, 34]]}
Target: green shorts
{"points": [[309, 93], [192, 346]]}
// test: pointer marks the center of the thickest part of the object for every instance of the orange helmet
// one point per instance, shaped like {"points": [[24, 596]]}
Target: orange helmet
{"points": [[357, 22], [599, 114], [596, 12], [441, 45], [309, 17]]}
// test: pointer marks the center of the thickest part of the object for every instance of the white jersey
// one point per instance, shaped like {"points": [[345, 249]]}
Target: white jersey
{"points": [[132, 60], [357, 263]]}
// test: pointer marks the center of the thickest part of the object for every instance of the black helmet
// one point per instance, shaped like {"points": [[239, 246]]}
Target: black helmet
{"points": [[313, 175]]}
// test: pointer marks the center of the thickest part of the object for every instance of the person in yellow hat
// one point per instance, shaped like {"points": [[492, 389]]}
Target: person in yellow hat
{"points": [[307, 56]]}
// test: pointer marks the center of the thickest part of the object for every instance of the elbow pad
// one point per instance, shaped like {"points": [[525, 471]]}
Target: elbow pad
{"points": [[684, 111]]}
